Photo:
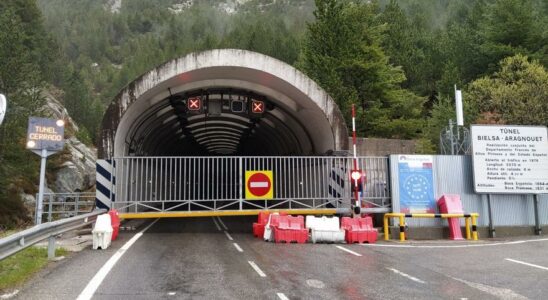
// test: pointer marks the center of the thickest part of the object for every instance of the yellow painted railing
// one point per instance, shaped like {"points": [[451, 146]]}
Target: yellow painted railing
{"points": [[469, 218]]}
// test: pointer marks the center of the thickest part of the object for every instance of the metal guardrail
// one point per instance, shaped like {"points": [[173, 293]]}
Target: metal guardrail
{"points": [[23, 239], [472, 217], [65, 205]]}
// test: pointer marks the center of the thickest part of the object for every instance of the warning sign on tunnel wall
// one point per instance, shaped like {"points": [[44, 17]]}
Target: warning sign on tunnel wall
{"points": [[259, 185]]}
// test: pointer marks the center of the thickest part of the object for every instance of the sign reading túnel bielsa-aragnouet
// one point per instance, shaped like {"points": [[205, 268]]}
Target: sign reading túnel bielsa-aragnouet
{"points": [[510, 159]]}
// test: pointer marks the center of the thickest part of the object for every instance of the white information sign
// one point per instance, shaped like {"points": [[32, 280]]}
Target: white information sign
{"points": [[510, 159]]}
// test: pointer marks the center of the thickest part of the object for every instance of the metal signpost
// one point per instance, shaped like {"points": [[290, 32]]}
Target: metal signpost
{"points": [[44, 137], [510, 159]]}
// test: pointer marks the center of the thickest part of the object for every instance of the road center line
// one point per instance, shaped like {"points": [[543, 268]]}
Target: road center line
{"points": [[238, 247], [527, 264], [257, 269], [282, 296], [406, 275], [228, 235], [96, 281], [222, 223], [216, 224], [349, 251]]}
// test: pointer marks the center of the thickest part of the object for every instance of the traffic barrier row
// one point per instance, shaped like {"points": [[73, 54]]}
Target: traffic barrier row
{"points": [[284, 228], [469, 218]]}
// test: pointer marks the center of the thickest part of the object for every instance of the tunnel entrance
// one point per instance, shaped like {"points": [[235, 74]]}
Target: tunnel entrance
{"points": [[222, 102], [182, 137]]}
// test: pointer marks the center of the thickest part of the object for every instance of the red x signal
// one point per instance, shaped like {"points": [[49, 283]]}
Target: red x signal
{"points": [[257, 107], [194, 103]]}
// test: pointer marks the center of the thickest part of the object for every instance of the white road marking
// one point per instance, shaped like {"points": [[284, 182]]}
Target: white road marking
{"points": [[500, 293], [216, 224], [222, 223], [171, 293], [317, 284], [282, 296], [9, 295], [259, 184], [256, 268], [238, 247], [228, 235], [527, 264], [415, 279], [96, 281], [454, 246], [349, 251]]}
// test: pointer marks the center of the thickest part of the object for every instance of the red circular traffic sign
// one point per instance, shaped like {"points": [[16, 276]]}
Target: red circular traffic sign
{"points": [[259, 184]]}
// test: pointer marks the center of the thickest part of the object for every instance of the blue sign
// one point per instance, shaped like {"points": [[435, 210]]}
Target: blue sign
{"points": [[416, 184]]}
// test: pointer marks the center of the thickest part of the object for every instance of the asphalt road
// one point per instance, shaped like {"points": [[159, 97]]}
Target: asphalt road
{"points": [[196, 259]]}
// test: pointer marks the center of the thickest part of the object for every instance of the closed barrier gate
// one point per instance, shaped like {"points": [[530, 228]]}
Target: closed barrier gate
{"points": [[239, 185]]}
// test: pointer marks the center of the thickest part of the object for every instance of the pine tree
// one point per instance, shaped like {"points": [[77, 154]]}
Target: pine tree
{"points": [[342, 52]]}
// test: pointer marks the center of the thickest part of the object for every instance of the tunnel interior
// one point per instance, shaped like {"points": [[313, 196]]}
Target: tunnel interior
{"points": [[218, 121]]}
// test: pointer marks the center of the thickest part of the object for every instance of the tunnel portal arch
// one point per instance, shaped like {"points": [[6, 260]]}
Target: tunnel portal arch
{"points": [[150, 117]]}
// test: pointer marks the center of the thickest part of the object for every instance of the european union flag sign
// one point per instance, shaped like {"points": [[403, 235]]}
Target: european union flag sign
{"points": [[416, 184]]}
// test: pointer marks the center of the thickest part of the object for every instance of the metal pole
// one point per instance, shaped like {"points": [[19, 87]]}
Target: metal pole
{"points": [[452, 137], [356, 193], [44, 156], [51, 247], [490, 211], [240, 168], [538, 229]]}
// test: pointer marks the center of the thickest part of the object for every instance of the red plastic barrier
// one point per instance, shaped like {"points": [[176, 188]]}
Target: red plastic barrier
{"points": [[114, 222], [258, 228], [450, 204], [359, 230], [290, 229]]}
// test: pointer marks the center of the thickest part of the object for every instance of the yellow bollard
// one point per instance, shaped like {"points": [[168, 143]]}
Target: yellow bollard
{"points": [[386, 234], [474, 228], [402, 228], [467, 227]]}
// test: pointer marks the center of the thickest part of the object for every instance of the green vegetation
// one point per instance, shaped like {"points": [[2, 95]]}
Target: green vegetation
{"points": [[18, 268]]}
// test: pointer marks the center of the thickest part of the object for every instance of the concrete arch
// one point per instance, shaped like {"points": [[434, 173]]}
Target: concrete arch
{"points": [[148, 117]]}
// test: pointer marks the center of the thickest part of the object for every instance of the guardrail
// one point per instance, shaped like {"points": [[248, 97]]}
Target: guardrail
{"points": [[468, 217], [66, 205], [23, 239]]}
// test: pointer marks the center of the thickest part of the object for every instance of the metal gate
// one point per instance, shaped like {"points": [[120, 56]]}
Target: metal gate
{"points": [[193, 184]]}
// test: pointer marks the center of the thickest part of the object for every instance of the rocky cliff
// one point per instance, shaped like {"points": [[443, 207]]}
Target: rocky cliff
{"points": [[74, 167]]}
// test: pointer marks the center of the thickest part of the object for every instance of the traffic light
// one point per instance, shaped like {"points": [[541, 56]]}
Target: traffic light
{"points": [[356, 180], [194, 104], [256, 107], [236, 106]]}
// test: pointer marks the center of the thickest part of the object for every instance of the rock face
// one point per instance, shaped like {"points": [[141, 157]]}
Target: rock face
{"points": [[77, 173]]}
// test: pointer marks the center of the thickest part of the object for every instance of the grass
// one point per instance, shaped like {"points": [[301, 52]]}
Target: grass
{"points": [[18, 268]]}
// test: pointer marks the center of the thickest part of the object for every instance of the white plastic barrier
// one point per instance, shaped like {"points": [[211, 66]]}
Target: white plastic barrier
{"points": [[102, 232], [325, 229], [268, 232]]}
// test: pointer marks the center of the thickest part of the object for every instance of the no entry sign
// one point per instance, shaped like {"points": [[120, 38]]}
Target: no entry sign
{"points": [[259, 185]]}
